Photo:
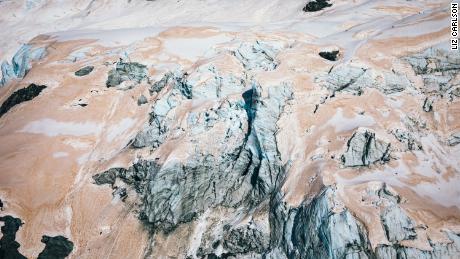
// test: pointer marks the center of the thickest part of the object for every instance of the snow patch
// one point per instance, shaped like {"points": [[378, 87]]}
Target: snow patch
{"points": [[342, 123], [52, 128], [60, 154], [120, 128], [193, 48]]}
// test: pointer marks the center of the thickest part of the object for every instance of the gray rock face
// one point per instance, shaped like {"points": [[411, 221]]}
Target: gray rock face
{"points": [[323, 228], [257, 56], [407, 138], [209, 83], [317, 232], [439, 69], [364, 149], [251, 237], [126, 71], [397, 225], [228, 188], [21, 63], [244, 172], [142, 100], [454, 139], [428, 105], [344, 78], [84, 71], [353, 79]]}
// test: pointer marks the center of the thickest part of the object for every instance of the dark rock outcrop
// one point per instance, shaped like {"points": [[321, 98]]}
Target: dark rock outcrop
{"points": [[20, 96], [258, 55], [8, 245], [316, 5], [329, 55], [364, 149], [84, 71], [57, 247], [126, 71]]}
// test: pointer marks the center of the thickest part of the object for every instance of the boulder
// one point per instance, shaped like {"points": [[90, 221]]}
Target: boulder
{"points": [[316, 5], [84, 71], [364, 149]]}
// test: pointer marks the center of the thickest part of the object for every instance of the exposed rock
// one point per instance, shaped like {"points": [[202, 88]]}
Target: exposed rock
{"points": [[329, 55], [142, 100], [126, 71], [155, 131], [439, 69], [21, 63], [183, 87], [251, 237], [8, 245], [454, 139], [20, 96], [354, 79], [324, 228], [316, 5], [427, 105], [159, 85], [364, 149], [408, 138], [121, 193], [344, 78], [398, 226], [84, 71], [320, 230], [135, 175], [208, 83], [257, 56], [108, 177], [57, 247], [245, 171]]}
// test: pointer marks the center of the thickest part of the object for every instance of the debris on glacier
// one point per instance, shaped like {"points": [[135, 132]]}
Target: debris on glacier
{"points": [[428, 105]]}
